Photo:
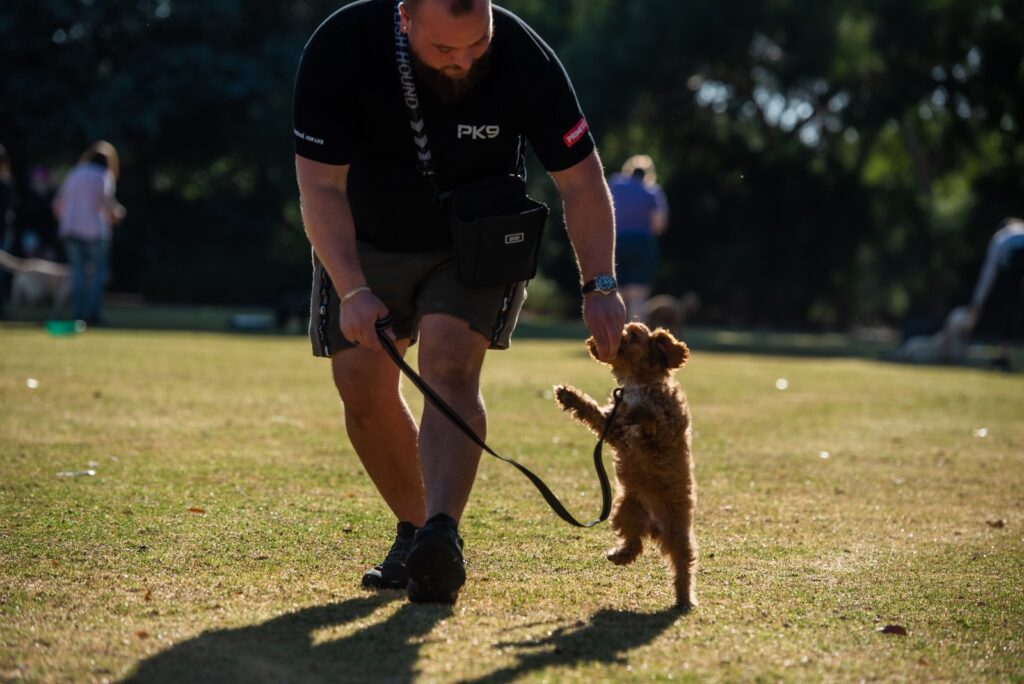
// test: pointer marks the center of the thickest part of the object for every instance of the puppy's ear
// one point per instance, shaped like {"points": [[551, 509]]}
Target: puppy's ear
{"points": [[674, 352]]}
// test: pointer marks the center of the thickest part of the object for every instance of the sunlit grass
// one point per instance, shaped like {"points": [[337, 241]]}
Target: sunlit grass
{"points": [[863, 495]]}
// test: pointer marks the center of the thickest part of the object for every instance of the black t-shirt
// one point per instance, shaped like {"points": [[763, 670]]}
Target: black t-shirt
{"points": [[349, 109]]}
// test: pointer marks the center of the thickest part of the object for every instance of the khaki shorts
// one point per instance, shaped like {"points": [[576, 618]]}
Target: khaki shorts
{"points": [[412, 285]]}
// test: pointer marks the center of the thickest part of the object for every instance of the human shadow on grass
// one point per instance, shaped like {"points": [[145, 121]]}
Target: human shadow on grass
{"points": [[607, 638], [283, 649]]}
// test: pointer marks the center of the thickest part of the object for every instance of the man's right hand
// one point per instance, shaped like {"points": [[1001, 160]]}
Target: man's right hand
{"points": [[358, 320], [605, 317]]}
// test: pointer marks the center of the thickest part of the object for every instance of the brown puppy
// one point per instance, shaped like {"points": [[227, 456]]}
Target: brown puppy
{"points": [[651, 436]]}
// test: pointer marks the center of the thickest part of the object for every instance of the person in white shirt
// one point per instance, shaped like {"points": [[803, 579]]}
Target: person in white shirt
{"points": [[87, 209]]}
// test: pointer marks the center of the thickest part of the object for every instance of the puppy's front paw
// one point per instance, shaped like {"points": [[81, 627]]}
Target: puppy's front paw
{"points": [[568, 397]]}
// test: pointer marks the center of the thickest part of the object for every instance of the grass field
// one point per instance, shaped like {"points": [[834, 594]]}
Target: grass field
{"points": [[228, 521]]}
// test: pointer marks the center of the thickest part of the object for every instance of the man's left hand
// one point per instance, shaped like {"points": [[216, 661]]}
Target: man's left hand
{"points": [[605, 316]]}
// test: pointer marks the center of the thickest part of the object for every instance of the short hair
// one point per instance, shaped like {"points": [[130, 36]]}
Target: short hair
{"points": [[1009, 220], [455, 7]]}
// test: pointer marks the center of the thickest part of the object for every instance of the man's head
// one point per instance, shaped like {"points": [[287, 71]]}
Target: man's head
{"points": [[449, 41]]}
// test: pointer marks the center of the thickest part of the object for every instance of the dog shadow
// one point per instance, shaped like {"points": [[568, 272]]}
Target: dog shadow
{"points": [[286, 648], [607, 638]]}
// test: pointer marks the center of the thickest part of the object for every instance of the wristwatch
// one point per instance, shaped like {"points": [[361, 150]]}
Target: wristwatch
{"points": [[602, 282]]}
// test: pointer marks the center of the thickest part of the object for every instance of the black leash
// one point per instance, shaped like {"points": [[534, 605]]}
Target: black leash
{"points": [[440, 405]]}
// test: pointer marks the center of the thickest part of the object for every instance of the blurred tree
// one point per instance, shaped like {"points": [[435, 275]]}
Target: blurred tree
{"points": [[197, 97], [827, 162], [824, 160]]}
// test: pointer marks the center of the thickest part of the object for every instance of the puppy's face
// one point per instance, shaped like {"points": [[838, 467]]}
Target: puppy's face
{"points": [[645, 356]]}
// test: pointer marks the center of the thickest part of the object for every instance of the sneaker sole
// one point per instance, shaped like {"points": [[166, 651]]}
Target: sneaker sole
{"points": [[375, 582], [436, 572]]}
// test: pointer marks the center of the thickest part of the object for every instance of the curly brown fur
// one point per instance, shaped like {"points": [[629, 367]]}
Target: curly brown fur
{"points": [[651, 437]]}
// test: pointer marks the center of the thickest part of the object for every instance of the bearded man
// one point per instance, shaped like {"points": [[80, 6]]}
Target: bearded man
{"points": [[376, 82]]}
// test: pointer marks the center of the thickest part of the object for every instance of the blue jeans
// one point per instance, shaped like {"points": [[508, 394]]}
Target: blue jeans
{"points": [[636, 256], [88, 260]]}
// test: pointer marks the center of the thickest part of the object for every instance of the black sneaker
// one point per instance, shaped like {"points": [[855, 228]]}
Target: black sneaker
{"points": [[391, 574], [436, 568]]}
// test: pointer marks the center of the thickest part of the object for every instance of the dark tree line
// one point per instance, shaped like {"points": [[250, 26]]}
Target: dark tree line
{"points": [[827, 163]]}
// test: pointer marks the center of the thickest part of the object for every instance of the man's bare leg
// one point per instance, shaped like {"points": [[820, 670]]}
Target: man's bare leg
{"points": [[381, 428], [450, 358]]}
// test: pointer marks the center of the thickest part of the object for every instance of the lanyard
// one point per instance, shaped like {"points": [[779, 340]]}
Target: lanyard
{"points": [[424, 158]]}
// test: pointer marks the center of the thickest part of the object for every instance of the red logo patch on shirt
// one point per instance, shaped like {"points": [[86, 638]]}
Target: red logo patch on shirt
{"points": [[573, 136]]}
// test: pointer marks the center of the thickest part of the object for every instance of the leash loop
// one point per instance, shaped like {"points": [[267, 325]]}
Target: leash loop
{"points": [[430, 395]]}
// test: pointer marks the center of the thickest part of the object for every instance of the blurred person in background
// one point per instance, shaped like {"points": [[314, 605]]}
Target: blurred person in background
{"points": [[7, 236], [38, 224], [1004, 261], [87, 209], [641, 215]]}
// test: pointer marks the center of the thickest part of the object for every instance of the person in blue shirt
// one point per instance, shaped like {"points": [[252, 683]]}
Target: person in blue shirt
{"points": [[641, 215], [1003, 261]]}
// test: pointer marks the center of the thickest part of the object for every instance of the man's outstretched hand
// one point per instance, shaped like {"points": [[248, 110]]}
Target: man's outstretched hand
{"points": [[605, 316]]}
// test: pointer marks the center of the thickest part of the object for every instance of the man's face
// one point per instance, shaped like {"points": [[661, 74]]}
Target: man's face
{"points": [[450, 45]]}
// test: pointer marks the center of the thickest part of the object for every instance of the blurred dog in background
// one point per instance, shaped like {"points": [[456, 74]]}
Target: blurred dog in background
{"points": [[36, 283], [949, 345], [672, 313]]}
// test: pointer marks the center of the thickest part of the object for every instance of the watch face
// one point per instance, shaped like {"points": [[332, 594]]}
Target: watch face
{"points": [[604, 283]]}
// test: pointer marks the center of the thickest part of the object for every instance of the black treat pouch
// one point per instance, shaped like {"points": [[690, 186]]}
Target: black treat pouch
{"points": [[496, 231]]}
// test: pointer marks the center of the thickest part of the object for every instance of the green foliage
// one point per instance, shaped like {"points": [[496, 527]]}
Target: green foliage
{"points": [[809, 148]]}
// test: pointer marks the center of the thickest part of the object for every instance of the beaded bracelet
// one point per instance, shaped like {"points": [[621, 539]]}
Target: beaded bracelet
{"points": [[352, 293]]}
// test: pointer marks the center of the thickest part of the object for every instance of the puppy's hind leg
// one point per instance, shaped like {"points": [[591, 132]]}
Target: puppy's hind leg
{"points": [[679, 546], [631, 524]]}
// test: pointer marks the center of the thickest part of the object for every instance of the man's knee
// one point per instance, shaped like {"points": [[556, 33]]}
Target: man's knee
{"points": [[366, 381], [450, 371], [451, 354]]}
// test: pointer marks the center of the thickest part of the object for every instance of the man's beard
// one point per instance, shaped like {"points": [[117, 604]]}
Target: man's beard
{"points": [[450, 90]]}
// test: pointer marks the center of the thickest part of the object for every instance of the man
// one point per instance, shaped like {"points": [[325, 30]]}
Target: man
{"points": [[382, 244]]}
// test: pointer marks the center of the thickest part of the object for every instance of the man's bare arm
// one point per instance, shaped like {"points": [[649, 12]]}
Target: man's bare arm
{"points": [[327, 217], [591, 226]]}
